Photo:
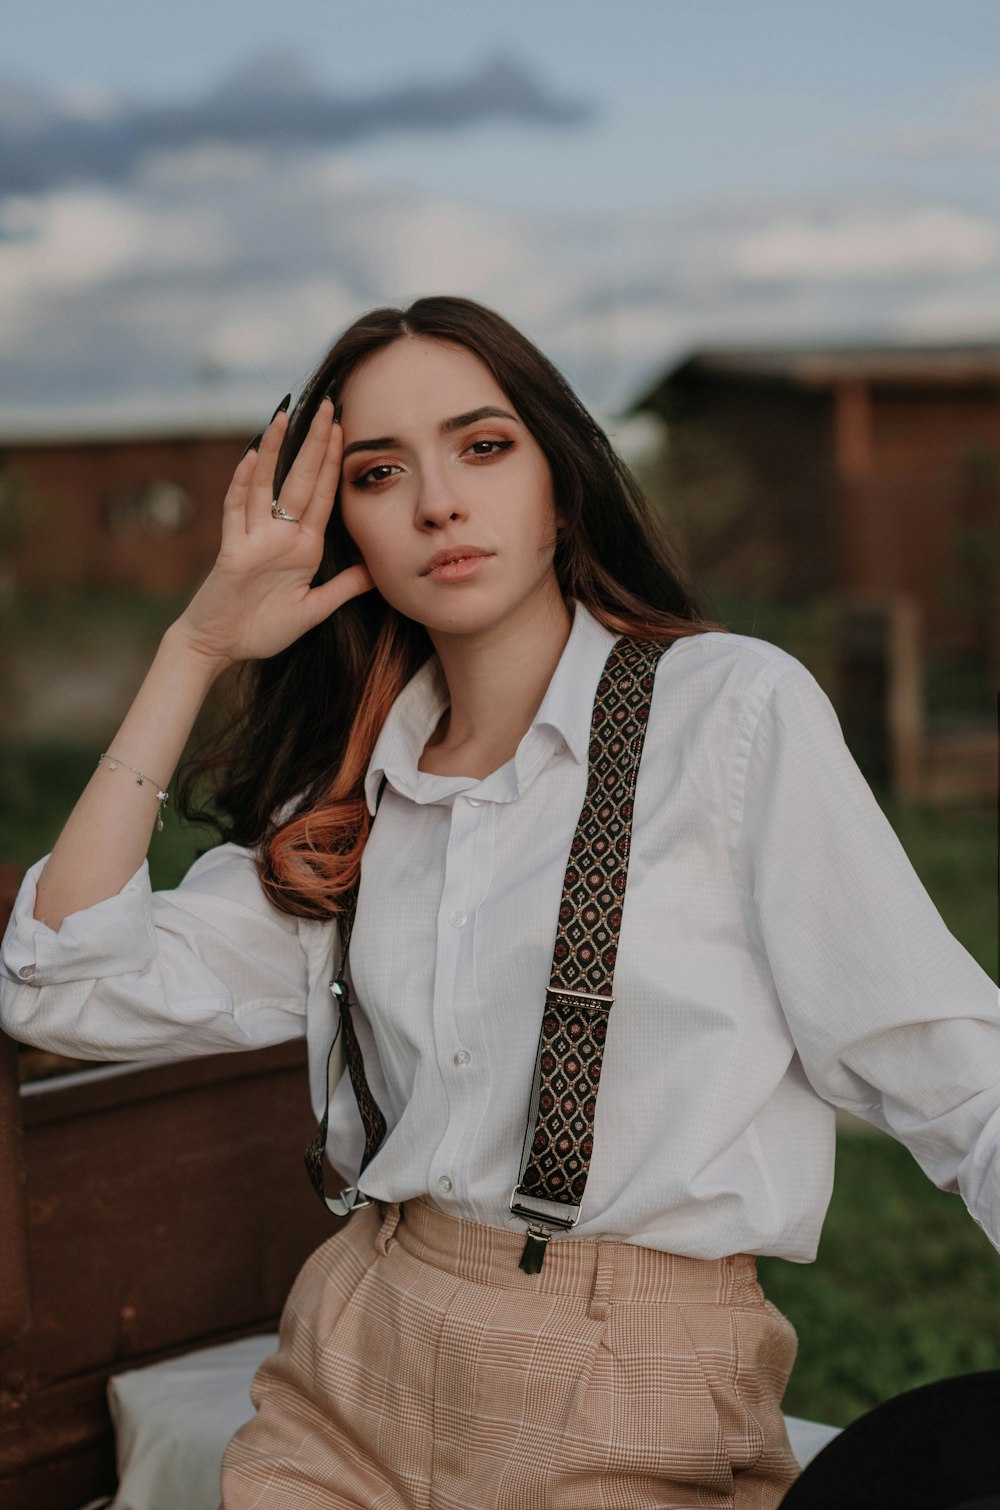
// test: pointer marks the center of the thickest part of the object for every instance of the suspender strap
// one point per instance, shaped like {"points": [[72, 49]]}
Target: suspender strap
{"points": [[559, 1136], [345, 1046]]}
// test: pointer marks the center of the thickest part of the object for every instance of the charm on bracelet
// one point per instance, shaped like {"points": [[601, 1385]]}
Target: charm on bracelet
{"points": [[162, 796]]}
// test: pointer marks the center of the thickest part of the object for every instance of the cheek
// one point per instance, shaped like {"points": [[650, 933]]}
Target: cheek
{"points": [[544, 495], [371, 545], [361, 533], [545, 517]]}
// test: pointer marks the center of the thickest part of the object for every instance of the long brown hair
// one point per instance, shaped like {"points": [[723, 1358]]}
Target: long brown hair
{"points": [[293, 763]]}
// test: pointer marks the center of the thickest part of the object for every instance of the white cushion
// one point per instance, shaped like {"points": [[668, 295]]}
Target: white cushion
{"points": [[173, 1420], [808, 1437]]}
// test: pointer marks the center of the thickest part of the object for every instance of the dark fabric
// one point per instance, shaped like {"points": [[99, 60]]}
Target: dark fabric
{"points": [[933, 1448], [560, 1137]]}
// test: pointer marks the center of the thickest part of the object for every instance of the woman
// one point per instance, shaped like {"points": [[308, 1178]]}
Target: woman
{"points": [[432, 589]]}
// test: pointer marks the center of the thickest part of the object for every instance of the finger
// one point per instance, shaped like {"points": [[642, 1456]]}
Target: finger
{"points": [[297, 488], [258, 508], [235, 502], [239, 487], [320, 505], [329, 596]]}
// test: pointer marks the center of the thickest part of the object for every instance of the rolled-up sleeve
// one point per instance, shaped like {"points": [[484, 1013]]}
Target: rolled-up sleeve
{"points": [[891, 1017], [208, 966]]}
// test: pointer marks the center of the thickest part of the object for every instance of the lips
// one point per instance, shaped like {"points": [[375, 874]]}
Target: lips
{"points": [[451, 555]]}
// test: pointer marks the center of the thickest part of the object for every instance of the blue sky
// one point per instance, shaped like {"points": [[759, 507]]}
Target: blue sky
{"points": [[691, 98]]}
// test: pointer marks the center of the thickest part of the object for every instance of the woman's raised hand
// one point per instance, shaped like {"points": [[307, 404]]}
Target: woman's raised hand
{"points": [[257, 598], [254, 602]]}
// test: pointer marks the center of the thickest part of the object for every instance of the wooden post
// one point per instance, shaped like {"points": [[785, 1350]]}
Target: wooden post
{"points": [[905, 709], [880, 688]]}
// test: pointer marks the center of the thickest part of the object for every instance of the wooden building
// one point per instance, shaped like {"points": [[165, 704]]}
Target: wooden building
{"points": [[796, 471], [128, 500]]}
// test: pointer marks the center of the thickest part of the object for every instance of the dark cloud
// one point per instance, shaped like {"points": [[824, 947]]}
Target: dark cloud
{"points": [[270, 103]]}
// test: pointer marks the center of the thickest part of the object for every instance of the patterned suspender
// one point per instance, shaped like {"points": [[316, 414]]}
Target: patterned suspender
{"points": [[345, 1046], [559, 1136]]}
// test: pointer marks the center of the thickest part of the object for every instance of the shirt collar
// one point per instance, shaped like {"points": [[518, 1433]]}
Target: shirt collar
{"points": [[565, 712]]}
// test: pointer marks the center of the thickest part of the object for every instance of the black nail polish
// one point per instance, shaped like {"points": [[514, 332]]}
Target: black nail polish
{"points": [[281, 409], [337, 412], [253, 444]]}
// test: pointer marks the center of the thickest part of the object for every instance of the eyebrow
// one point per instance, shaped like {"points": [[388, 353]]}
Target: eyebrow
{"points": [[457, 422]]}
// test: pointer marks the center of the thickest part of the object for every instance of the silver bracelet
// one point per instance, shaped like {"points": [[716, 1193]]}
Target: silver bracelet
{"points": [[161, 796]]}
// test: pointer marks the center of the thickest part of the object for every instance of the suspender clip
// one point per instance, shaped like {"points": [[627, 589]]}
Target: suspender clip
{"points": [[540, 1227], [535, 1246]]}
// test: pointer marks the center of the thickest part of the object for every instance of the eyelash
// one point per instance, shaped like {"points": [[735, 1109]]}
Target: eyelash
{"points": [[364, 480]]}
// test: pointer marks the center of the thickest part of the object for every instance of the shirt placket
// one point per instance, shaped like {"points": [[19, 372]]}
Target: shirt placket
{"points": [[458, 1043]]}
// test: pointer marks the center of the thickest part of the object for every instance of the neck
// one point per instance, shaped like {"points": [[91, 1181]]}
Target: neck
{"points": [[497, 680]]}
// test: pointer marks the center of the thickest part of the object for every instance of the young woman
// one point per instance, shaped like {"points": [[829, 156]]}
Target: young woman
{"points": [[433, 591]]}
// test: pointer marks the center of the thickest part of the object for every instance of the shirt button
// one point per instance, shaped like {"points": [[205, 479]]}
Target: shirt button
{"points": [[461, 1057], [474, 801], [444, 1183], [457, 919]]}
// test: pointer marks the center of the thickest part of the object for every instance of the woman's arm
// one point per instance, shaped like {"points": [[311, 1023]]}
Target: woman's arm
{"points": [[255, 602], [209, 966], [892, 1018], [106, 836]]}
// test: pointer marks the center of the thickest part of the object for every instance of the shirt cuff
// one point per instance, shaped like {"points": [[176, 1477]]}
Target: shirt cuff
{"points": [[112, 937]]}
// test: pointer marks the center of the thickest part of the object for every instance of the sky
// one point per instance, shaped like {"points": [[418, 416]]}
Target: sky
{"points": [[688, 97], [628, 179]]}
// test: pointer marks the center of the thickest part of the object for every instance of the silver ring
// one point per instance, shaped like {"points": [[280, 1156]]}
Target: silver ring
{"points": [[277, 512]]}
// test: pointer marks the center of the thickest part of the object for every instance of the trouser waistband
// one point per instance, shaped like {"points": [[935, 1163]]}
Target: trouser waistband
{"points": [[605, 1271]]}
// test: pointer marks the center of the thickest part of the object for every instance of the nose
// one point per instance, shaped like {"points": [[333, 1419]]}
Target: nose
{"points": [[438, 501]]}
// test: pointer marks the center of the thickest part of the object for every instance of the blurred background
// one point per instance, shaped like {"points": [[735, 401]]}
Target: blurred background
{"points": [[762, 242]]}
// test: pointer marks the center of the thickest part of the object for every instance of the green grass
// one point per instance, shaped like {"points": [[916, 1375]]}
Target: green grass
{"points": [[904, 1291], [954, 850]]}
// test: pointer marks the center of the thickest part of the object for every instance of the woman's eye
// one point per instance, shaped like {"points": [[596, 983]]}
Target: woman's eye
{"points": [[375, 475], [501, 445], [480, 450]]}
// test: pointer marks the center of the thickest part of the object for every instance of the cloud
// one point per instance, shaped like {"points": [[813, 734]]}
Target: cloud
{"points": [[270, 104], [217, 279], [931, 240]]}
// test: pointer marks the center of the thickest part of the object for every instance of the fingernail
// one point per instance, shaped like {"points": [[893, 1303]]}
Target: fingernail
{"points": [[281, 409], [252, 445], [337, 412]]}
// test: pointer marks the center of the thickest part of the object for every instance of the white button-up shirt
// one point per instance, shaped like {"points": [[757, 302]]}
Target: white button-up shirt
{"points": [[778, 958]]}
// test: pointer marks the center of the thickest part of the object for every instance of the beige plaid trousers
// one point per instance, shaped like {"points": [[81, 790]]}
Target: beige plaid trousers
{"points": [[419, 1368]]}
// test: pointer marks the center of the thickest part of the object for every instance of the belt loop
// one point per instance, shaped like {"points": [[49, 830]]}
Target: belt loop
{"points": [[386, 1233], [605, 1273]]}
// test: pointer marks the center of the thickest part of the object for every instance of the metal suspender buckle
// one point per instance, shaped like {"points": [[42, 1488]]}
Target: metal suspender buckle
{"points": [[540, 1227], [551, 991], [351, 1199]]}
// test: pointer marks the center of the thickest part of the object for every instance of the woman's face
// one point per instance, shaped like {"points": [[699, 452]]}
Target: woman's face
{"points": [[444, 491]]}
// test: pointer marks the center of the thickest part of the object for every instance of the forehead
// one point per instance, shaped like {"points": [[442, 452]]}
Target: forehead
{"points": [[418, 379]]}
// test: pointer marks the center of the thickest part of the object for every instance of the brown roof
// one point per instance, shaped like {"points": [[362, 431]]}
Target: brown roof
{"points": [[822, 367]]}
